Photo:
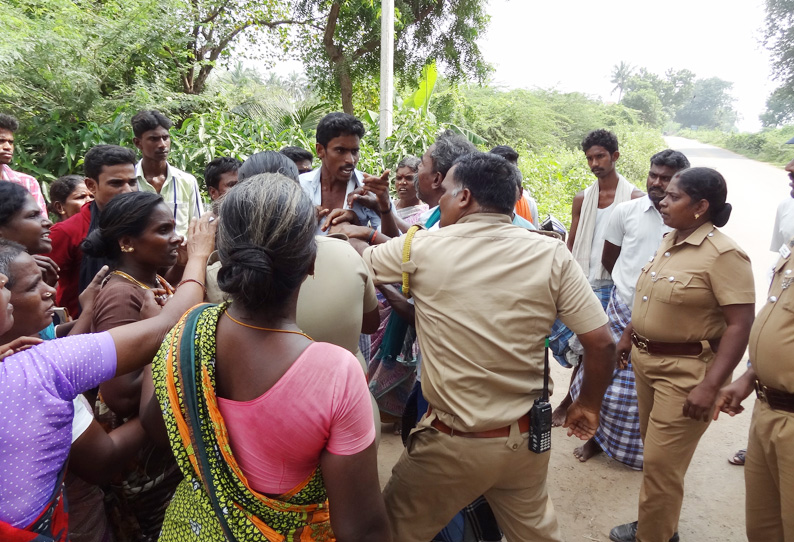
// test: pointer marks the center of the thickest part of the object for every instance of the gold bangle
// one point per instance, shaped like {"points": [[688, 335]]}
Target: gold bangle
{"points": [[181, 282]]}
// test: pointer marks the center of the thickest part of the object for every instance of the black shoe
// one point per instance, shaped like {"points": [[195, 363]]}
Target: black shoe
{"points": [[628, 533]]}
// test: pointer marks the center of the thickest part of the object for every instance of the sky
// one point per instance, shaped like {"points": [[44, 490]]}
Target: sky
{"points": [[572, 45]]}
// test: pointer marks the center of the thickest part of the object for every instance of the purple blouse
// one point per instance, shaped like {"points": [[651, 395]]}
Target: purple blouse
{"points": [[37, 387]]}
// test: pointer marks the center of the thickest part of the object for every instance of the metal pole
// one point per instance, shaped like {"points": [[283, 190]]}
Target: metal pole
{"points": [[386, 69]]}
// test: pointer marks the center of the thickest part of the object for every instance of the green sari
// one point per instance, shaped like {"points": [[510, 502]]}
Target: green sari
{"points": [[215, 500]]}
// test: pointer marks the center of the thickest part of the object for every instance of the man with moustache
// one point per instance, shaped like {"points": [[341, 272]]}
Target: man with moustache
{"points": [[632, 236], [590, 214]]}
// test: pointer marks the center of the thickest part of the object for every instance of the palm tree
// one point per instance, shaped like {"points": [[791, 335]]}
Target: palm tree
{"points": [[620, 76]]}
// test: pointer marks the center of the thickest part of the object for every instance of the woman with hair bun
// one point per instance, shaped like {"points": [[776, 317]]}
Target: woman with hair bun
{"points": [[254, 409], [137, 236], [691, 321]]}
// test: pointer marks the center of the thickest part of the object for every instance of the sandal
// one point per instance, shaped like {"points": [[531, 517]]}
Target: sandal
{"points": [[738, 458]]}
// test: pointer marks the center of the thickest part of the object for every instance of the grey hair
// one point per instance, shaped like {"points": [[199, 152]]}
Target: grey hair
{"points": [[411, 162], [265, 241], [447, 148], [9, 251]]}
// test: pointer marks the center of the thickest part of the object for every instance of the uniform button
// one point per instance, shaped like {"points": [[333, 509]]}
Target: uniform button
{"points": [[650, 259], [772, 299], [671, 279], [645, 298], [667, 254], [515, 446], [788, 271], [653, 273], [711, 234]]}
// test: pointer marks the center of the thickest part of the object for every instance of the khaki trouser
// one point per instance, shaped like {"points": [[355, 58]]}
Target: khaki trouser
{"points": [[769, 476], [669, 438], [438, 475]]}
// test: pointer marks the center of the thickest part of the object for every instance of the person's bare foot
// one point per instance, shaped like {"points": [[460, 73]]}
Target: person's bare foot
{"points": [[587, 450], [559, 414]]}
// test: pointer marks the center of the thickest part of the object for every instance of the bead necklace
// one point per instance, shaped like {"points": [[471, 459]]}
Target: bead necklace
{"points": [[226, 312]]}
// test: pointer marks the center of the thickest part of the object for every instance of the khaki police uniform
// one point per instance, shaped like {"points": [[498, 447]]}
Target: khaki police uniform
{"points": [[769, 464], [486, 294], [678, 299]]}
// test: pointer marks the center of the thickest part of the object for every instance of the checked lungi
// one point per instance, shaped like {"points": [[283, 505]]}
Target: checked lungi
{"points": [[564, 345], [619, 431]]}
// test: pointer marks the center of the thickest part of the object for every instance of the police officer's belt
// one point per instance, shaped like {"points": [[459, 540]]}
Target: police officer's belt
{"points": [[523, 427], [776, 399], [658, 348]]}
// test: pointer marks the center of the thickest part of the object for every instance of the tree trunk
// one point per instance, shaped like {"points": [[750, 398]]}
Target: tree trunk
{"points": [[346, 87]]}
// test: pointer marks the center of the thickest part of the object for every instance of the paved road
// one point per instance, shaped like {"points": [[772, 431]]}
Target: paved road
{"points": [[754, 191]]}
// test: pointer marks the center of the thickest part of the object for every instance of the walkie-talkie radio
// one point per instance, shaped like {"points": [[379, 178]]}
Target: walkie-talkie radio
{"points": [[540, 414]]}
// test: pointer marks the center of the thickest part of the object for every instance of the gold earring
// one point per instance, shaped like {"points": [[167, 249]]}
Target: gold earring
{"points": [[127, 249], [697, 215]]}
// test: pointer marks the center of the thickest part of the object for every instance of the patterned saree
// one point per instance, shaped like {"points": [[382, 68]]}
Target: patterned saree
{"points": [[215, 500]]}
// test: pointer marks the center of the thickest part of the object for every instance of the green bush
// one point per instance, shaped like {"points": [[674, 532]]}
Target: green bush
{"points": [[768, 145]]}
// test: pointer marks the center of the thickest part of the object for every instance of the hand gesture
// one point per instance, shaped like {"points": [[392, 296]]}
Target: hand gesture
{"points": [[18, 345], [49, 269], [151, 304], [380, 187], [201, 236], [365, 198], [581, 421], [88, 295], [339, 216]]}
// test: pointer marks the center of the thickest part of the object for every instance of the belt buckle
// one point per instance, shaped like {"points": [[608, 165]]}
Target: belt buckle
{"points": [[640, 343], [760, 391]]}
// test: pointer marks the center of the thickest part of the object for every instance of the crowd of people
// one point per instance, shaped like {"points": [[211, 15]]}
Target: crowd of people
{"points": [[174, 369]]}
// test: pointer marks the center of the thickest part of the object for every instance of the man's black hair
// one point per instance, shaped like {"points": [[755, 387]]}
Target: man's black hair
{"points": [[297, 154], [507, 152], [105, 155], [149, 119], [491, 180], [338, 124], [670, 158], [602, 138], [7, 122], [217, 167]]}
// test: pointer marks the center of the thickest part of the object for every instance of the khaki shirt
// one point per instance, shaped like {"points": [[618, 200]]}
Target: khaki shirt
{"points": [[682, 287], [486, 294], [772, 336], [332, 302]]}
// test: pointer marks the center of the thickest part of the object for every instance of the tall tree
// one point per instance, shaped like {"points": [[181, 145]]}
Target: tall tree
{"points": [[711, 105], [346, 49], [779, 39], [620, 76]]}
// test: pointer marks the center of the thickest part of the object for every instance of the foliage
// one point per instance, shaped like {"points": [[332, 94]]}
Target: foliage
{"points": [[345, 49], [648, 104], [768, 145], [711, 105], [779, 108], [779, 38]]}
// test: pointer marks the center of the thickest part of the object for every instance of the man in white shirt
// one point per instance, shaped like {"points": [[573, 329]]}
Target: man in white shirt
{"points": [[338, 146], [633, 233], [179, 189]]}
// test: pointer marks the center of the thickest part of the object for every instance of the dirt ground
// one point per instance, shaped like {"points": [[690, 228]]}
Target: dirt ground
{"points": [[592, 497]]}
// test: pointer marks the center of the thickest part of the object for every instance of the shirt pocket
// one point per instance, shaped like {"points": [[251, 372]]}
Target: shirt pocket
{"points": [[678, 289]]}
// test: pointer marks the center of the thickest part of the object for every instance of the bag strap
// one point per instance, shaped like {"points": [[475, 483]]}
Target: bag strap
{"points": [[409, 237]]}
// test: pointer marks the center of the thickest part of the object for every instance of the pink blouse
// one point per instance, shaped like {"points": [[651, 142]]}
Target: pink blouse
{"points": [[321, 403]]}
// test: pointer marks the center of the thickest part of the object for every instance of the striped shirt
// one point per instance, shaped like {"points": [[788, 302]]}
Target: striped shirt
{"points": [[180, 192]]}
